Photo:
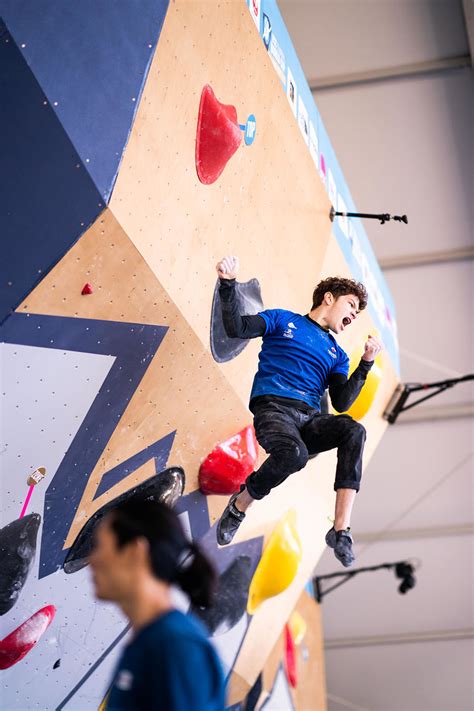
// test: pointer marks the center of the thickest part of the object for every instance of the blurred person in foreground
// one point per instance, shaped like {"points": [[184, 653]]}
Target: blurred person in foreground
{"points": [[140, 552]]}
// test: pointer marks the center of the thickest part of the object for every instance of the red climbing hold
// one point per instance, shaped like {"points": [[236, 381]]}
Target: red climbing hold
{"points": [[290, 658], [229, 464], [18, 643], [218, 136], [87, 289]]}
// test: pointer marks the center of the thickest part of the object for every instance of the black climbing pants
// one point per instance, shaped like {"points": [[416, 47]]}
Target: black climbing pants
{"points": [[291, 436]]}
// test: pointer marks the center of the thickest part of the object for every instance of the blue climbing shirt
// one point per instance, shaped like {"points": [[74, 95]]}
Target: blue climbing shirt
{"points": [[169, 665], [297, 358]]}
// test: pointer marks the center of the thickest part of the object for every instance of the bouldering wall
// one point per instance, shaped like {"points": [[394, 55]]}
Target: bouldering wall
{"points": [[111, 373]]}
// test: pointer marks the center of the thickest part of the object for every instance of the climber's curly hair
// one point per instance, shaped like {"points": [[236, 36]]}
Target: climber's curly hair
{"points": [[340, 286]]}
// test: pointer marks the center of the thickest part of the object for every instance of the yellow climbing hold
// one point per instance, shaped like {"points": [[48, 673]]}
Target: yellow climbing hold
{"points": [[363, 402], [105, 701], [278, 564], [298, 626]]}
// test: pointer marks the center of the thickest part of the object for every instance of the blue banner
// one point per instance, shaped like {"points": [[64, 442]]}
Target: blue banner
{"points": [[349, 232]]}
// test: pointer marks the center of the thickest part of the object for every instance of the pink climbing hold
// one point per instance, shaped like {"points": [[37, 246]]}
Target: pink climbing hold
{"points": [[322, 163], [87, 289], [229, 464], [290, 658], [18, 643], [218, 136]]}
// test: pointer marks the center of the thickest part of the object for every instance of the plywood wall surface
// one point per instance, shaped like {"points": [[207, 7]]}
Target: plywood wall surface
{"points": [[182, 390], [269, 206]]}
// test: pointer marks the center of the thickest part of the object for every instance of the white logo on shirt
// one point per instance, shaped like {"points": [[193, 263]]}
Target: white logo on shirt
{"points": [[288, 332], [124, 680], [334, 355]]}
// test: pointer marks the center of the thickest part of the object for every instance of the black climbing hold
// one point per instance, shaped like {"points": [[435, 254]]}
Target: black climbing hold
{"points": [[17, 552], [250, 302], [166, 486], [57, 664], [230, 601]]}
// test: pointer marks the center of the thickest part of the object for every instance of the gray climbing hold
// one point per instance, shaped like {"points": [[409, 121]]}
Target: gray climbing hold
{"points": [[250, 302], [230, 601], [166, 486], [17, 552]]}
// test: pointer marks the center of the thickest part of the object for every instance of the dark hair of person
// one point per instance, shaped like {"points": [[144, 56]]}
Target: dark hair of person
{"points": [[340, 286], [173, 558]]}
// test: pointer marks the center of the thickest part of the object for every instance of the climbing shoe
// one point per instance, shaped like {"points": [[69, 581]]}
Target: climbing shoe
{"points": [[341, 543], [229, 522]]}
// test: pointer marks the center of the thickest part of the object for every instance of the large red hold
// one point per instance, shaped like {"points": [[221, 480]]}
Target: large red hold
{"points": [[18, 643], [218, 136], [229, 464]]}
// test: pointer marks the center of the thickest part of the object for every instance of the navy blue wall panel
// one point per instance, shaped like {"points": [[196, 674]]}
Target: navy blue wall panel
{"points": [[47, 199], [91, 59]]}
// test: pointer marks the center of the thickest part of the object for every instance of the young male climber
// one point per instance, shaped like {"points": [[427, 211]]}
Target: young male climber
{"points": [[299, 360]]}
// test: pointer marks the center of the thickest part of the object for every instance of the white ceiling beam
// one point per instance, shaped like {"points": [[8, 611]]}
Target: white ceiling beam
{"points": [[344, 702], [387, 73], [408, 534], [416, 260], [405, 638], [437, 412]]}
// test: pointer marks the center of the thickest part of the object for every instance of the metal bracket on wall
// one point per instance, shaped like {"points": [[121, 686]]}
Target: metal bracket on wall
{"points": [[404, 390], [403, 570], [383, 217]]}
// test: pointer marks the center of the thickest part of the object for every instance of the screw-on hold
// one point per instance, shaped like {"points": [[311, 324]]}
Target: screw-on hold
{"points": [[87, 289], [36, 476]]}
